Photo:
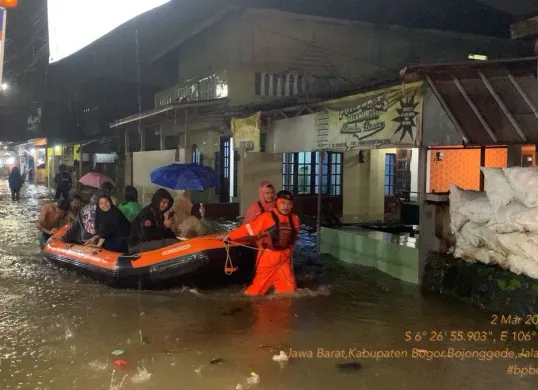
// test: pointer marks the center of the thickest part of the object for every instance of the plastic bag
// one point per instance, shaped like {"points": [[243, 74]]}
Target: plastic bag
{"points": [[503, 222], [498, 189], [524, 183]]}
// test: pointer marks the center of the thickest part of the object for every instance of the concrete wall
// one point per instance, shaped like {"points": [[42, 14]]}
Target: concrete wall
{"points": [[364, 186], [253, 169], [143, 164], [276, 42]]}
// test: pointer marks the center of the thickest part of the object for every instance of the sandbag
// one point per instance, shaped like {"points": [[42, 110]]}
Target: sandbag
{"points": [[503, 222], [520, 244], [527, 219], [523, 265], [524, 183], [477, 210], [498, 189], [460, 211]]}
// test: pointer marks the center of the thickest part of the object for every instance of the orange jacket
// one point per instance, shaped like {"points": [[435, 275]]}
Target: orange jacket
{"points": [[261, 225]]}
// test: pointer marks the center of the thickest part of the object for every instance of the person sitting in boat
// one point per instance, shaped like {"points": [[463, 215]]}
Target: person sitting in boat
{"points": [[276, 233], [266, 202], [108, 188], [52, 217], [83, 228], [187, 225], [111, 226], [131, 207], [150, 230], [76, 205]]}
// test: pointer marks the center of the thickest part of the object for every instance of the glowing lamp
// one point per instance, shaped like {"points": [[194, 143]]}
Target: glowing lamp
{"points": [[9, 3]]}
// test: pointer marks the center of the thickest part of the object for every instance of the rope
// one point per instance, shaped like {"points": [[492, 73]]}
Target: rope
{"points": [[229, 268]]}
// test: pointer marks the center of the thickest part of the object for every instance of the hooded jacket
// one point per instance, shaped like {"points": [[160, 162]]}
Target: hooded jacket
{"points": [[149, 223], [15, 179], [259, 207]]}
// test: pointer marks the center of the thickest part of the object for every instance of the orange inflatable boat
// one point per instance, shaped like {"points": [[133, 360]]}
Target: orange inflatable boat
{"points": [[203, 260]]}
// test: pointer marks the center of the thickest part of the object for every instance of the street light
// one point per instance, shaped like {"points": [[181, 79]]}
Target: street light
{"points": [[9, 3], [5, 86]]}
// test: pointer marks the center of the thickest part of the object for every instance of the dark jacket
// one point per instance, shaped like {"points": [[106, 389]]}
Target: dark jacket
{"points": [[63, 181], [149, 223], [15, 179]]}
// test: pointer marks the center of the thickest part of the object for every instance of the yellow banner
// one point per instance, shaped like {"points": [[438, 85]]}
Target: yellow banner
{"points": [[390, 116], [246, 133]]}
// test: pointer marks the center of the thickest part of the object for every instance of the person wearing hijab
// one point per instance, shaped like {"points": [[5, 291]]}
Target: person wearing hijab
{"points": [[15, 183], [131, 207], [266, 202], [83, 228], [108, 188], [111, 226], [150, 230]]}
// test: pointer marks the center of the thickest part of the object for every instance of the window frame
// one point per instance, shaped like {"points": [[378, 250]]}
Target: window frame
{"points": [[390, 161], [331, 179]]}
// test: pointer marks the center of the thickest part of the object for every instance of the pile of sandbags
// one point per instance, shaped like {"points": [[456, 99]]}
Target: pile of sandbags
{"points": [[498, 226]]}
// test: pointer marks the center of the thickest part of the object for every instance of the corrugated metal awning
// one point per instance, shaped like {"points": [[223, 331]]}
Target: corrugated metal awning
{"points": [[489, 102]]}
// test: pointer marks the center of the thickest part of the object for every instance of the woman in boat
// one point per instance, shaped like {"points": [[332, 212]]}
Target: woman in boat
{"points": [[150, 230], [111, 226], [131, 207]]}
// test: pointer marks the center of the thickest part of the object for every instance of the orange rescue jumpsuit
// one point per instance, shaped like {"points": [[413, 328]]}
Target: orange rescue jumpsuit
{"points": [[276, 234]]}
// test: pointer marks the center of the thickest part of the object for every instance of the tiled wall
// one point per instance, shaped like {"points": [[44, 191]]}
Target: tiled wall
{"points": [[461, 167]]}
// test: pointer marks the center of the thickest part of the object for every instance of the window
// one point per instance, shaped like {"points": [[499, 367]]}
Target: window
{"points": [[390, 173], [196, 155], [288, 171], [304, 173], [300, 173]]}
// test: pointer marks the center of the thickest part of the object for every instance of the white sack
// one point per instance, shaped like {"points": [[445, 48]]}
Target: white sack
{"points": [[524, 182], [483, 255], [498, 189], [503, 222], [523, 265], [460, 211], [520, 244], [528, 219], [478, 210]]}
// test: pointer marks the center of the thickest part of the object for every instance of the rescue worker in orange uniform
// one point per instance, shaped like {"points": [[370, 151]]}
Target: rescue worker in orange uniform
{"points": [[276, 233]]}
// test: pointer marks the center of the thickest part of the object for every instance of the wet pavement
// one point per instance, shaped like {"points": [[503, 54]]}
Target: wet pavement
{"points": [[58, 331]]}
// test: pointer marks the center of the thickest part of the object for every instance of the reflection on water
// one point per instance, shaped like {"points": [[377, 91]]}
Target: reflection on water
{"points": [[58, 331]]}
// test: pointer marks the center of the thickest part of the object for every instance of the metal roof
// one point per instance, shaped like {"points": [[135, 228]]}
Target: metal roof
{"points": [[489, 102]]}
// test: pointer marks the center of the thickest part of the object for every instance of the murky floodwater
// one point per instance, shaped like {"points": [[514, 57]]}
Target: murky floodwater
{"points": [[58, 331]]}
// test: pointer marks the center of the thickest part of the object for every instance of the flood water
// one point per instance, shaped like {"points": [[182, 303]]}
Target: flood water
{"points": [[58, 331]]}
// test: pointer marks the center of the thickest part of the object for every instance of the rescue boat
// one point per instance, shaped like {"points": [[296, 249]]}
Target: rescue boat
{"points": [[202, 261]]}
